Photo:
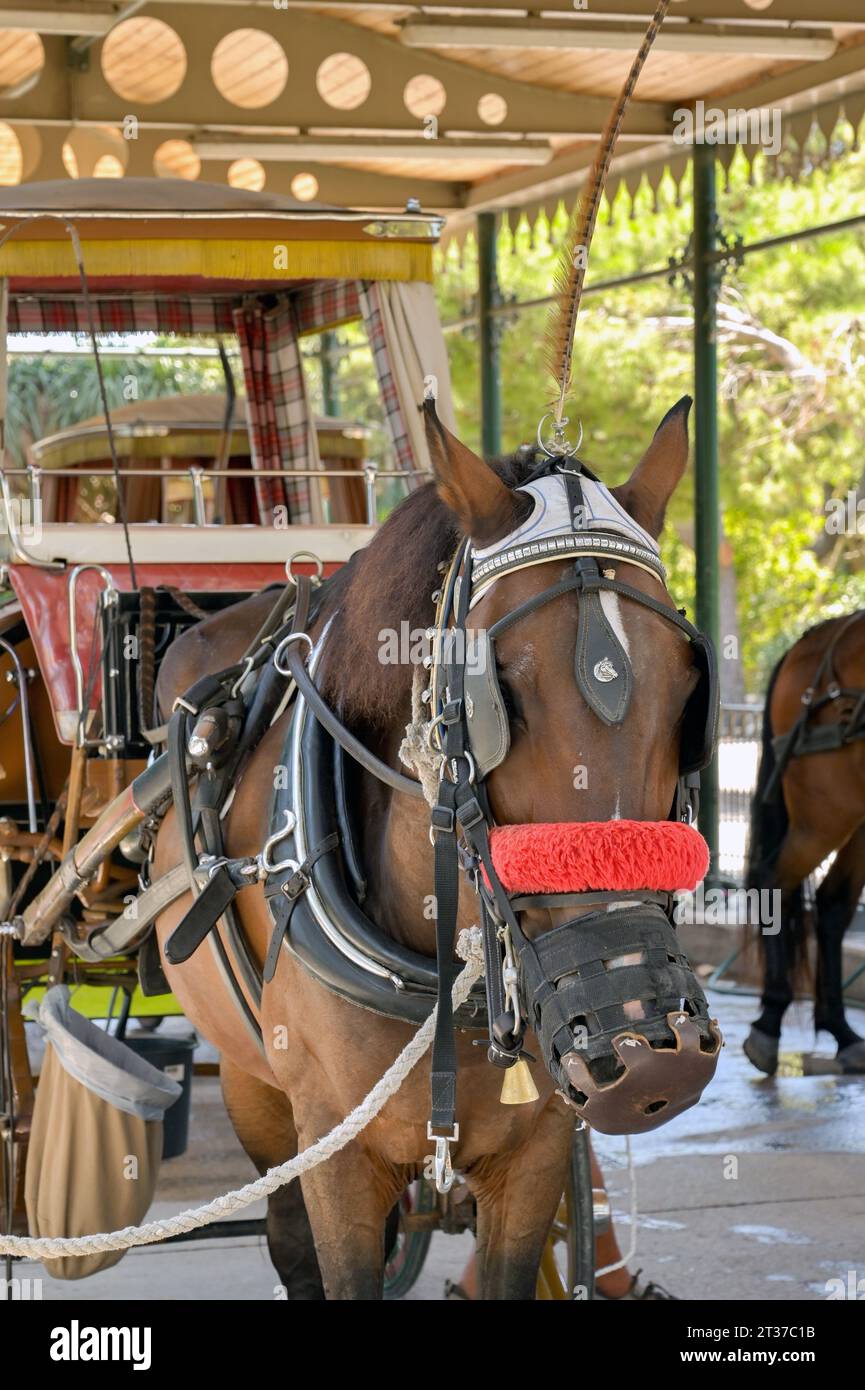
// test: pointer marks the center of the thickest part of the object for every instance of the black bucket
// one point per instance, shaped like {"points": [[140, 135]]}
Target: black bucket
{"points": [[174, 1057]]}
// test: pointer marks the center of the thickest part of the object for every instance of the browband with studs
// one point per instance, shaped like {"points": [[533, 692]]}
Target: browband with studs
{"points": [[596, 543]]}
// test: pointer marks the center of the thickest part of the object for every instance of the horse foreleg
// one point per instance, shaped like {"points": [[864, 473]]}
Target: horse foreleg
{"points": [[263, 1122], [349, 1198], [518, 1195], [837, 899]]}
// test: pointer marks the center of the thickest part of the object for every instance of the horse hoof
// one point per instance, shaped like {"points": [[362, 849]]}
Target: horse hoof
{"points": [[852, 1058], [761, 1051]]}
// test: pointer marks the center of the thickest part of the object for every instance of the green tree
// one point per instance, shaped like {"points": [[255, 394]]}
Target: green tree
{"points": [[791, 355]]}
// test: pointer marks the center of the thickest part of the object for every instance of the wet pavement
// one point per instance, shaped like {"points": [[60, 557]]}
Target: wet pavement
{"points": [[759, 1192], [760, 1114]]}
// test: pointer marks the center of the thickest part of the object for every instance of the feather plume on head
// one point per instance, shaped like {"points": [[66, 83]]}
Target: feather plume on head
{"points": [[571, 270]]}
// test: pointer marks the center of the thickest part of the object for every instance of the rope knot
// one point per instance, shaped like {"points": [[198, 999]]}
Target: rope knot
{"points": [[470, 947]]}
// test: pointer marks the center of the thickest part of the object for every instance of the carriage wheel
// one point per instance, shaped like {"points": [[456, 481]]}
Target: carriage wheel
{"points": [[567, 1269], [406, 1259]]}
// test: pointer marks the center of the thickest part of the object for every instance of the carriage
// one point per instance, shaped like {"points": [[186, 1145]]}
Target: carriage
{"points": [[124, 529]]}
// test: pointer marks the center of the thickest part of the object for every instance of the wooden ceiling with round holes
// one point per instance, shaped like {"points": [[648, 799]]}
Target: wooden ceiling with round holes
{"points": [[462, 106]]}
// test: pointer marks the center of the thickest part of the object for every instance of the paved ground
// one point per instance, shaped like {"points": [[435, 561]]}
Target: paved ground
{"points": [[757, 1194]]}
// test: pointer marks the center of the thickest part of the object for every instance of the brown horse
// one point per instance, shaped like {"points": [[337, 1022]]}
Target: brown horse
{"points": [[324, 1054], [810, 802]]}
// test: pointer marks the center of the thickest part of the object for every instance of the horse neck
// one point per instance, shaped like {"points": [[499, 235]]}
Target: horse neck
{"points": [[397, 855]]}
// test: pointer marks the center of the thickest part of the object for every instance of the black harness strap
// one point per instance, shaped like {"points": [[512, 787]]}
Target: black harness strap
{"points": [[212, 792], [803, 737], [588, 582], [335, 727], [177, 727], [455, 794], [444, 1057], [214, 902], [293, 889], [211, 903], [207, 691]]}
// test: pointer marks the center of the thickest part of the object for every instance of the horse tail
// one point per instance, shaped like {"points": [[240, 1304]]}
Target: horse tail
{"points": [[768, 828], [769, 819]]}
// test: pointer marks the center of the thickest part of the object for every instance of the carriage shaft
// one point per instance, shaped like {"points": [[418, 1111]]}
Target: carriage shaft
{"points": [[141, 798]]}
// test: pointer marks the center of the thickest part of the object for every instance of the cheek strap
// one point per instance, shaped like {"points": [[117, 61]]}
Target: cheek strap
{"points": [[587, 856]]}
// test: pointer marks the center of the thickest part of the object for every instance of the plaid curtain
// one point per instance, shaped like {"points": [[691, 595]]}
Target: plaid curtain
{"points": [[326, 303], [370, 302], [281, 430], [319, 305], [187, 315]]}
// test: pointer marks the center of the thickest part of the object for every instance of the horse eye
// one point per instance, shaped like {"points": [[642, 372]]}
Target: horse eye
{"points": [[513, 708]]}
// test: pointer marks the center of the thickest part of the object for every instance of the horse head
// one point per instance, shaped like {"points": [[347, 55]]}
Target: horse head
{"points": [[585, 698]]}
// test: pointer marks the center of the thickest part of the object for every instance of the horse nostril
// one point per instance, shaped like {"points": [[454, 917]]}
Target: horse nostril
{"points": [[655, 1106]]}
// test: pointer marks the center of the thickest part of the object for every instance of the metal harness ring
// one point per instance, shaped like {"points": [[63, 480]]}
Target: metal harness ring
{"points": [[292, 637], [563, 449], [304, 555]]}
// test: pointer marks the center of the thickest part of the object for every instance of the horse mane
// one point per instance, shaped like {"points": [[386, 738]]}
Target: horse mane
{"points": [[390, 583]]}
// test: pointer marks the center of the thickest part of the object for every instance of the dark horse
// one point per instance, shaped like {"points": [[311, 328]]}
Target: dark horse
{"points": [[323, 1054], [809, 802]]}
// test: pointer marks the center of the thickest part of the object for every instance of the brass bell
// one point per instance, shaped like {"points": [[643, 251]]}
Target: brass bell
{"points": [[518, 1087]]}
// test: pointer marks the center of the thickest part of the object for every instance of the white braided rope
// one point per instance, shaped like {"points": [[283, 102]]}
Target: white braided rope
{"points": [[469, 948]]}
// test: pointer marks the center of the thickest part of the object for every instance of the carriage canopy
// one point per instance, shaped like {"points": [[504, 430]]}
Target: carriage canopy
{"points": [[190, 258]]}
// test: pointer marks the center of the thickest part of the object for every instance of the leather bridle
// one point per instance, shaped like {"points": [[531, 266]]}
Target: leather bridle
{"points": [[463, 808]]}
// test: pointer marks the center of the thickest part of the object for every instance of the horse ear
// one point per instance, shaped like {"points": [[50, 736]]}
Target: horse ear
{"points": [[654, 480], [484, 506]]}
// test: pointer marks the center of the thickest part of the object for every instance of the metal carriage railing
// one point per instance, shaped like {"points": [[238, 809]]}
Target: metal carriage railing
{"points": [[200, 480]]}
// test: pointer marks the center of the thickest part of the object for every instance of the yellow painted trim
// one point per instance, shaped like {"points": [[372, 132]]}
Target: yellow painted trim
{"points": [[223, 260], [94, 1001]]}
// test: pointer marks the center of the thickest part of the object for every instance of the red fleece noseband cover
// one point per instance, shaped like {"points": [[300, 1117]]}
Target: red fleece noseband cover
{"points": [[589, 856]]}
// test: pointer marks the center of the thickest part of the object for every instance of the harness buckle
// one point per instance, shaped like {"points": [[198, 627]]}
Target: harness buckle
{"points": [[452, 712], [444, 1169], [470, 814], [209, 864], [441, 818], [297, 884]]}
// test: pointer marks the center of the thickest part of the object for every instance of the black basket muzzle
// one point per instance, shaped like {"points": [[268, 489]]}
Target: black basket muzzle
{"points": [[622, 1022]]}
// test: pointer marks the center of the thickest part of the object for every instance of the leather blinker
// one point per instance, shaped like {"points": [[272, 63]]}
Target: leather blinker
{"points": [[702, 713], [487, 722]]}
